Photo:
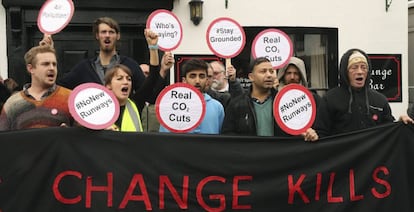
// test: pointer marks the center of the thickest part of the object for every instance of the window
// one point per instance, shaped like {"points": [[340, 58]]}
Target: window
{"points": [[317, 47]]}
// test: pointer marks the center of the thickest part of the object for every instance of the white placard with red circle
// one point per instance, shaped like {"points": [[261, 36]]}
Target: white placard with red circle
{"points": [[93, 106], [225, 37], [180, 108], [55, 15], [294, 109], [168, 27], [273, 44]]}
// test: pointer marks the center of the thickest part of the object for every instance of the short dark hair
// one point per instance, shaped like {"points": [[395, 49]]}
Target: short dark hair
{"points": [[105, 20], [111, 72], [193, 64], [256, 62]]}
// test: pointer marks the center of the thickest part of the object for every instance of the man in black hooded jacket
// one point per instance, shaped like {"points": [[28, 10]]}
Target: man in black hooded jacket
{"points": [[353, 105]]}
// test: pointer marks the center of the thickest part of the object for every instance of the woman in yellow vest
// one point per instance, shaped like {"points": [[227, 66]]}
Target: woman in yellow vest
{"points": [[118, 80]]}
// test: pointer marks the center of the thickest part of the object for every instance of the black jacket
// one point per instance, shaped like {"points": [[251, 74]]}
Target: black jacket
{"points": [[349, 109], [235, 89], [84, 72], [240, 118]]}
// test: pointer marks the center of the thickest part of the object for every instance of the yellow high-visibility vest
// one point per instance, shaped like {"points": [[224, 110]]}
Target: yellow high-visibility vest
{"points": [[131, 121]]}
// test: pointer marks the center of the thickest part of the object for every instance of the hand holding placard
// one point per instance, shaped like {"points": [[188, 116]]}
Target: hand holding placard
{"points": [[168, 27], [55, 15]]}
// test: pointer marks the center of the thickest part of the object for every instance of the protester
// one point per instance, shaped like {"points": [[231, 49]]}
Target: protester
{"points": [[4, 93], [252, 112], [11, 85], [225, 88], [149, 119], [107, 32], [41, 103], [118, 80], [294, 72], [145, 69], [194, 72], [353, 105], [219, 80]]}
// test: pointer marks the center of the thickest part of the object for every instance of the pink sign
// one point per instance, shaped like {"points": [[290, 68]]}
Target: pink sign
{"points": [[294, 109], [225, 37], [180, 107], [93, 106], [168, 27], [55, 15], [273, 44]]}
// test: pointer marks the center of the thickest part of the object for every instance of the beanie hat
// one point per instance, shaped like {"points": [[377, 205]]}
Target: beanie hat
{"points": [[356, 57]]}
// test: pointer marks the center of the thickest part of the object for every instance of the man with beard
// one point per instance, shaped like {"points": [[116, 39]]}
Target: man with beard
{"points": [[295, 72], [252, 113], [194, 73], [215, 81], [41, 103], [219, 80], [107, 33]]}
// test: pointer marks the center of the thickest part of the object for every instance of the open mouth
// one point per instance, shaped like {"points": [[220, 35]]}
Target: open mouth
{"points": [[125, 90], [50, 75], [359, 79], [107, 42]]}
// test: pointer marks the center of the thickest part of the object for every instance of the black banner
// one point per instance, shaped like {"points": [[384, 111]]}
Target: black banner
{"points": [[74, 169]]}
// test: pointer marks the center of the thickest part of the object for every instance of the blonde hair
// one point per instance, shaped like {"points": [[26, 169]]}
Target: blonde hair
{"points": [[30, 56]]}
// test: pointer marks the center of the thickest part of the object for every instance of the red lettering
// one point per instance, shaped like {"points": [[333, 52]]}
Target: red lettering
{"points": [[108, 189], [295, 187], [318, 186], [219, 197], [181, 201], [137, 178], [352, 187], [330, 188], [237, 193], [59, 195], [380, 181]]}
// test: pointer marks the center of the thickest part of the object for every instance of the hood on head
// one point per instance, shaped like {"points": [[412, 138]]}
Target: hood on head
{"points": [[300, 65], [343, 67]]}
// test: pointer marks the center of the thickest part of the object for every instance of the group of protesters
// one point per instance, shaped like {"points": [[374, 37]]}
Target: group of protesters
{"points": [[230, 109]]}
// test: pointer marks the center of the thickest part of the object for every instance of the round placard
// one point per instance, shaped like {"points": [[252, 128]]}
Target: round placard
{"points": [[93, 106], [55, 15], [294, 109], [168, 27], [225, 37], [180, 107], [273, 44]]}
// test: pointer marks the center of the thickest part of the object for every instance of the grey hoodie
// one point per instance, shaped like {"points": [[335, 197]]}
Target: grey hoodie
{"points": [[300, 65]]}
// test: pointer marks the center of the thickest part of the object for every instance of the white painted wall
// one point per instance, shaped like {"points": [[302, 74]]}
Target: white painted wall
{"points": [[3, 42], [361, 24]]}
